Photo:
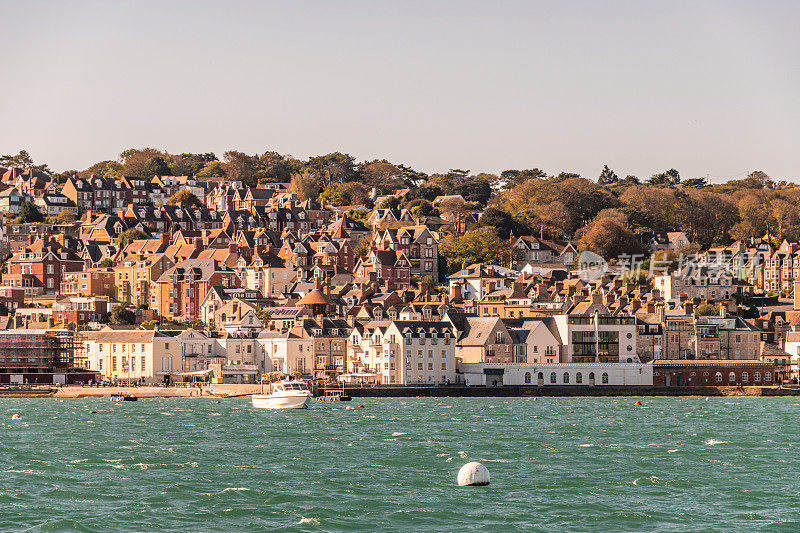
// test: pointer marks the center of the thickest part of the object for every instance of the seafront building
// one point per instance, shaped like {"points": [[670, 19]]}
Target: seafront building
{"points": [[253, 280], [555, 374]]}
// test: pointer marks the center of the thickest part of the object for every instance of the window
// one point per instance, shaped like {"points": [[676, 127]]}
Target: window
{"points": [[142, 361], [419, 366], [578, 378], [566, 378], [745, 377], [731, 377], [767, 376], [605, 378], [444, 366], [527, 378], [552, 377], [114, 364], [430, 366], [718, 377]]}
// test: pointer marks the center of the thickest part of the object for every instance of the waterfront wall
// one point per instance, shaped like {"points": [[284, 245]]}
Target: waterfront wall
{"points": [[406, 391]]}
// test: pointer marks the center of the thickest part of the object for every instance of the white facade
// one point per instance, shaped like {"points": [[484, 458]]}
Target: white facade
{"points": [[563, 374], [404, 353], [541, 345], [582, 336], [285, 352], [696, 285], [133, 355]]}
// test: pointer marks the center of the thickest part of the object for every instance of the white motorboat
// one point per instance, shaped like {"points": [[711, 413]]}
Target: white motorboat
{"points": [[285, 395]]}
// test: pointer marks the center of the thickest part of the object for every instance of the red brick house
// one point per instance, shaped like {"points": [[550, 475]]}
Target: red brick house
{"points": [[181, 289], [717, 372], [41, 267]]}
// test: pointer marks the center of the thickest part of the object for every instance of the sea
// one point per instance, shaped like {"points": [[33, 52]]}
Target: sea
{"points": [[556, 464]]}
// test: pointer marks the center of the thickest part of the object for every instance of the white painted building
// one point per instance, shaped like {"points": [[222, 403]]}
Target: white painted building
{"points": [[556, 374], [596, 336], [404, 352], [133, 355], [476, 281], [285, 352]]}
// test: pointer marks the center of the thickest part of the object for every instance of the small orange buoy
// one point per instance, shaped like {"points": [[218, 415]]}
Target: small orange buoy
{"points": [[638, 404], [92, 412], [16, 416]]}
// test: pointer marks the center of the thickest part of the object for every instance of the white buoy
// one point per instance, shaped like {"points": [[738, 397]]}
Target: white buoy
{"points": [[473, 475]]}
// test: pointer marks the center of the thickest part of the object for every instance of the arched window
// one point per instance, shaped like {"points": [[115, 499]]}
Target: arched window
{"points": [[745, 377], [527, 378], [552, 377], [718, 377], [731, 377], [578, 378], [566, 377], [541, 377], [767, 376], [591, 376], [757, 376], [605, 378]]}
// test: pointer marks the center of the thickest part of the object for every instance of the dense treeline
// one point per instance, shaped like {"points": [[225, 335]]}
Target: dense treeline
{"points": [[610, 215]]}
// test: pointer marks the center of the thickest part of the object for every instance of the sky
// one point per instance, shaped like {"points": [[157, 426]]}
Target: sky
{"points": [[709, 88]]}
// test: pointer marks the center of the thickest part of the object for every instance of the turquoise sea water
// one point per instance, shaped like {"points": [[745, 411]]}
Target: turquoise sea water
{"points": [[556, 464]]}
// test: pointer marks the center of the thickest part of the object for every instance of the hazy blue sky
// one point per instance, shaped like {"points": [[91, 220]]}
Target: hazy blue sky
{"points": [[705, 87]]}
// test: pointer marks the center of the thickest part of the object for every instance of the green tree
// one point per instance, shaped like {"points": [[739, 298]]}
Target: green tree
{"points": [[667, 178], [391, 202], [22, 160], [501, 220], [332, 167], [305, 185], [339, 194], [155, 166], [212, 169], [185, 199], [242, 167], [610, 239], [28, 212], [607, 176], [479, 245], [104, 169], [106, 263], [134, 160], [707, 310], [362, 248], [382, 175], [188, 164], [66, 216], [127, 236], [120, 315]]}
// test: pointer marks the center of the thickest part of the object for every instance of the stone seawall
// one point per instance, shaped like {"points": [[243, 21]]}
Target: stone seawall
{"points": [[492, 392]]}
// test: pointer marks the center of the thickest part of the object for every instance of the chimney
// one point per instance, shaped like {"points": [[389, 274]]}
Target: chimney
{"points": [[651, 307], [688, 308], [656, 293], [722, 311], [635, 305], [233, 247], [455, 292]]}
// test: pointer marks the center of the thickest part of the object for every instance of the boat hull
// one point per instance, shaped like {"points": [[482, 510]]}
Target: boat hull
{"points": [[282, 401]]}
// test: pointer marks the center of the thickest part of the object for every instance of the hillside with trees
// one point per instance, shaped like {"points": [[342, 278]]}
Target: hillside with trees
{"points": [[607, 214]]}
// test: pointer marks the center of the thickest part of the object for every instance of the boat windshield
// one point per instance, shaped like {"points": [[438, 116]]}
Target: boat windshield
{"points": [[296, 386]]}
